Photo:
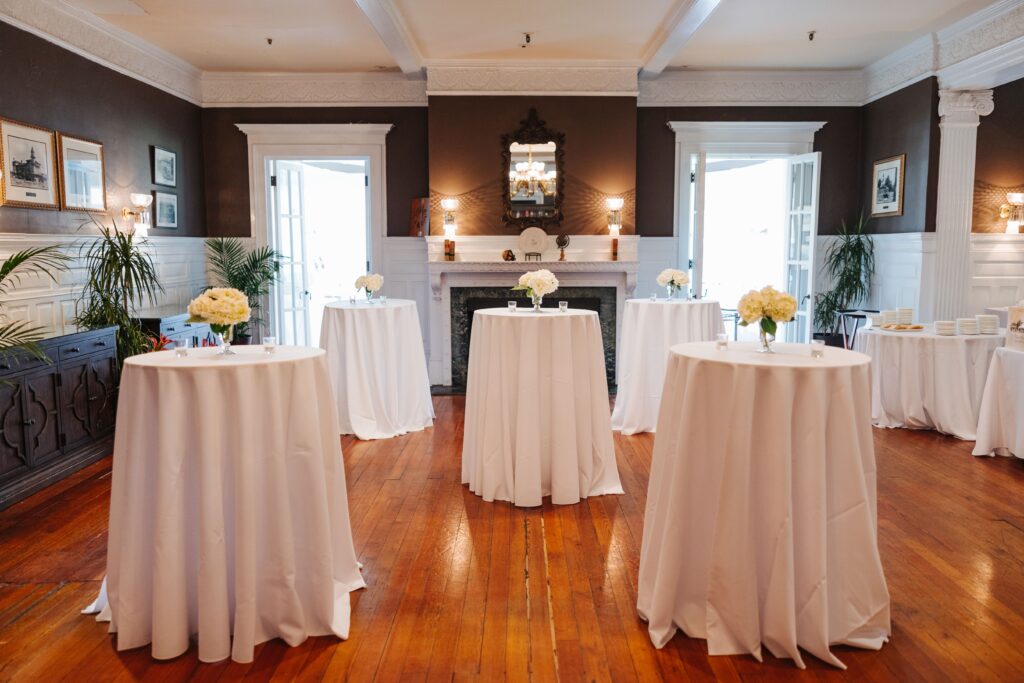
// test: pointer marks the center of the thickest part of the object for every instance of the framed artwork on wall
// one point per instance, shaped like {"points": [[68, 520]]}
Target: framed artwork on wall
{"points": [[165, 167], [82, 175], [165, 210], [29, 166], [887, 187]]}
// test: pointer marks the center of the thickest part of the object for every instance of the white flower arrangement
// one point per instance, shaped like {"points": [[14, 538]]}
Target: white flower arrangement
{"points": [[371, 282], [221, 308], [670, 277], [768, 306], [537, 283]]}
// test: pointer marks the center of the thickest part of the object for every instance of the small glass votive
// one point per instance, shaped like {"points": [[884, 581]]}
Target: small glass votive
{"points": [[817, 348], [654, 296], [563, 306], [352, 299], [511, 306], [181, 349], [722, 341], [269, 345], [383, 299]]}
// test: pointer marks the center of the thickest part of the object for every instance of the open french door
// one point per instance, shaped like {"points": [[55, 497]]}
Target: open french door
{"points": [[801, 231], [290, 298]]}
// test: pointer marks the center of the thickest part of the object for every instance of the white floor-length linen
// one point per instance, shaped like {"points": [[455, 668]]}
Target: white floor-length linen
{"points": [[649, 329], [761, 519], [921, 380], [537, 417], [228, 512], [1001, 422], [378, 368]]}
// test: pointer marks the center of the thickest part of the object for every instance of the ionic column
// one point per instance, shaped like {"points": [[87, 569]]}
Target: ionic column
{"points": [[960, 112]]}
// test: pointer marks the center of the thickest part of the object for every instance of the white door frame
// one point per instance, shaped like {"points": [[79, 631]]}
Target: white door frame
{"points": [[313, 140], [768, 138]]}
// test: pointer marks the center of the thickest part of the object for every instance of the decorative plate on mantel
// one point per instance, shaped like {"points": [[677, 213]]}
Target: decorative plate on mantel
{"points": [[533, 241]]}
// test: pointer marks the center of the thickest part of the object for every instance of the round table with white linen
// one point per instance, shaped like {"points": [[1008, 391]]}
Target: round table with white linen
{"points": [[1001, 421], [378, 368], [649, 329], [228, 511], [921, 380], [761, 519], [537, 418]]}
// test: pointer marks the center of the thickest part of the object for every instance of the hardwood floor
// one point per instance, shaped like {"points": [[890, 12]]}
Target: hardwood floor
{"points": [[459, 589]]}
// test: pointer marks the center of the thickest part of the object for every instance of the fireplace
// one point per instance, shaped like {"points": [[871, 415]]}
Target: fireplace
{"points": [[466, 300]]}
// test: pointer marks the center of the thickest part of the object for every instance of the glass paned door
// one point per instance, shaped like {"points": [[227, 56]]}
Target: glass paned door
{"points": [[291, 295], [801, 231]]}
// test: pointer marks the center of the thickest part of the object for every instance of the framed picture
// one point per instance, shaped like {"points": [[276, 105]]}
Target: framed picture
{"points": [[82, 176], [165, 210], [165, 167], [887, 187], [29, 163]]}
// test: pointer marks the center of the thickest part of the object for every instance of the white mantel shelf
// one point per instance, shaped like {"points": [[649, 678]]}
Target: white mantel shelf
{"points": [[438, 270]]}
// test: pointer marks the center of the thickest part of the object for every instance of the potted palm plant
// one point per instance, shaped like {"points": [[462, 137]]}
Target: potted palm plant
{"points": [[22, 335], [250, 272], [849, 264]]}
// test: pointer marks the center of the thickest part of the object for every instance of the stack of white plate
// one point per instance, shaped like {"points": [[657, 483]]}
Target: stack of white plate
{"points": [[946, 328], [967, 325], [988, 324], [906, 316], [890, 317]]}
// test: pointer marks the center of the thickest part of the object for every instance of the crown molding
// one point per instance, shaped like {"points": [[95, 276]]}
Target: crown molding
{"points": [[908, 65], [220, 89], [531, 79], [753, 88]]}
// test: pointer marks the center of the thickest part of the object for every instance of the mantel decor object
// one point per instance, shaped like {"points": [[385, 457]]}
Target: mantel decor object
{"points": [[562, 241], [449, 204], [532, 159], [533, 242]]}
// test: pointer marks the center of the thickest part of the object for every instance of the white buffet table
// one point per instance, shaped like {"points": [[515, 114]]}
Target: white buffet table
{"points": [[1001, 422], [378, 368], [649, 329], [761, 519], [921, 380], [228, 511], [537, 417]]}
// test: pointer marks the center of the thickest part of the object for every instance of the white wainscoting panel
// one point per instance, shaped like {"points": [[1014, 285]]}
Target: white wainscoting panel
{"points": [[997, 271], [655, 255], [405, 277]]}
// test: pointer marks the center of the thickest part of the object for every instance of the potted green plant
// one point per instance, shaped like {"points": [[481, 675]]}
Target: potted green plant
{"points": [[22, 335], [849, 264], [120, 277], [250, 272]]}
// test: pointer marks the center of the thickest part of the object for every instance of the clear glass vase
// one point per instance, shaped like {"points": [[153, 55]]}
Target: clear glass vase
{"points": [[537, 300], [766, 341], [672, 290], [224, 337], [369, 296]]}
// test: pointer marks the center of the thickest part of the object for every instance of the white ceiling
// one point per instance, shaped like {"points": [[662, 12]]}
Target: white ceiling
{"points": [[336, 36]]}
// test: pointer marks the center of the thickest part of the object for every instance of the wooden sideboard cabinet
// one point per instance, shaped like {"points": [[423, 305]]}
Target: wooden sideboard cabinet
{"points": [[58, 416], [172, 323]]}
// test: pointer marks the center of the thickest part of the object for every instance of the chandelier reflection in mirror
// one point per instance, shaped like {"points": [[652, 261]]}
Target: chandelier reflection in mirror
{"points": [[532, 161], [532, 180]]}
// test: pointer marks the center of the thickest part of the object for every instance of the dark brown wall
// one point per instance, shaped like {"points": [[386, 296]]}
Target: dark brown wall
{"points": [[838, 142], [227, 164], [1000, 164], [45, 85], [905, 122], [465, 158]]}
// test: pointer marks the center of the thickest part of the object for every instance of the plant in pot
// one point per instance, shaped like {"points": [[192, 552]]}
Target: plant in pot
{"points": [[120, 277], [37, 262], [250, 272], [849, 265]]}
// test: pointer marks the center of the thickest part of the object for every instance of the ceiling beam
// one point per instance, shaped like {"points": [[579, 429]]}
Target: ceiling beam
{"points": [[685, 20], [388, 23]]}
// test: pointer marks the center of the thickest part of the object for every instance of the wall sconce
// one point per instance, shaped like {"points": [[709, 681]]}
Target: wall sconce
{"points": [[1013, 212], [449, 204], [614, 205], [138, 213]]}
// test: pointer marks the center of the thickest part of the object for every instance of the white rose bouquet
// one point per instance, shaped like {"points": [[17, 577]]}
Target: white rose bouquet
{"points": [[769, 307], [537, 284], [674, 280], [371, 283], [221, 308]]}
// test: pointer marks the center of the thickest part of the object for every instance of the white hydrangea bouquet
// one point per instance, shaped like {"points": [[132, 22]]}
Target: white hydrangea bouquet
{"points": [[673, 280], [537, 284], [371, 283], [221, 308], [770, 307]]}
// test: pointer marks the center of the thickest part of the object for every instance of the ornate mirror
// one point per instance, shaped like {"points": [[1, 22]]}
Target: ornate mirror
{"points": [[532, 167]]}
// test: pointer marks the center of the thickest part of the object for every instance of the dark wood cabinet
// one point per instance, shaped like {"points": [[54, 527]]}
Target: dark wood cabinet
{"points": [[57, 416]]}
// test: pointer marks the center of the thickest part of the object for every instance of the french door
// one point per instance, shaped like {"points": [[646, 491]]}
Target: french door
{"points": [[801, 229], [291, 295]]}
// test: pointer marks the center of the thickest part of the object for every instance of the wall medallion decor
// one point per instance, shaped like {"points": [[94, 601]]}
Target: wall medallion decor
{"points": [[29, 166], [887, 187], [165, 167], [532, 164], [82, 175], [165, 208]]}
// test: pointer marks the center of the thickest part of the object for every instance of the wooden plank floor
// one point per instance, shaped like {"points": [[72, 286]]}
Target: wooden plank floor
{"points": [[459, 589]]}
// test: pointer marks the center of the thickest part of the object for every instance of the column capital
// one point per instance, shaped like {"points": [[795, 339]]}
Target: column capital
{"points": [[965, 107]]}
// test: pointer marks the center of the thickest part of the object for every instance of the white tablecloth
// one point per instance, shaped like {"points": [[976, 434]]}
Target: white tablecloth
{"points": [[761, 519], [537, 418], [1001, 423], [921, 380], [228, 510], [378, 368], [649, 329]]}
